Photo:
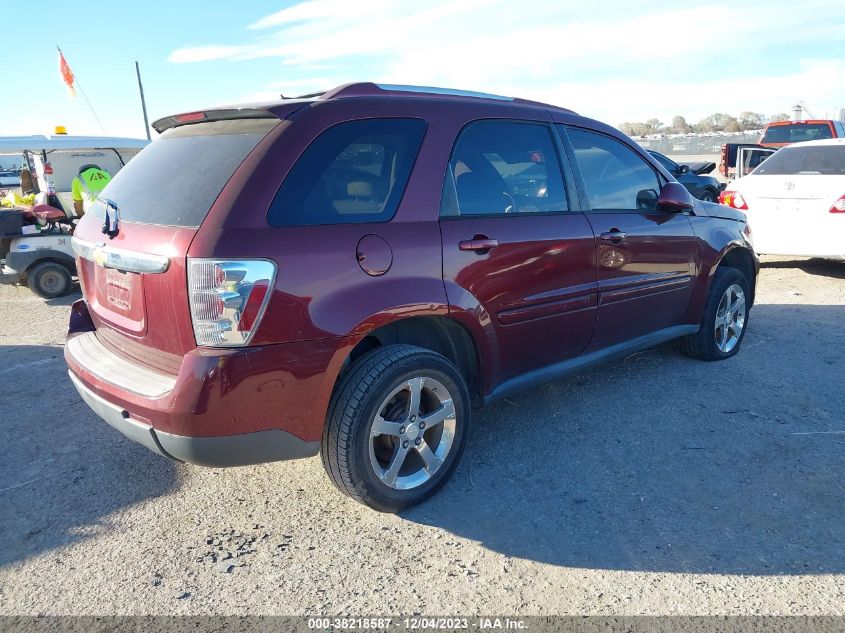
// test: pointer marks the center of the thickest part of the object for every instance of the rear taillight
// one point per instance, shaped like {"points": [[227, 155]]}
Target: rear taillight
{"points": [[228, 298], [838, 206], [733, 199]]}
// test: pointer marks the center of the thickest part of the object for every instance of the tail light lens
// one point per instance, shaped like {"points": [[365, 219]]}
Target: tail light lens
{"points": [[228, 299], [733, 199], [838, 206]]}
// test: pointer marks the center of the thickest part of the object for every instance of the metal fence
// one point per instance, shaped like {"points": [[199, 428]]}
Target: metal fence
{"points": [[696, 145]]}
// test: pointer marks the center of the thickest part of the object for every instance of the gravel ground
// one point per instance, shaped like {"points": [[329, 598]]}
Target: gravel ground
{"points": [[655, 485]]}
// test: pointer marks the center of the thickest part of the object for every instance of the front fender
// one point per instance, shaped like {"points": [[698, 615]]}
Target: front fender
{"points": [[712, 258]]}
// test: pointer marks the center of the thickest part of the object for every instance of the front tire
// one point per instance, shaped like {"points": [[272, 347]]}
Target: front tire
{"points": [[725, 318], [49, 280], [396, 428]]}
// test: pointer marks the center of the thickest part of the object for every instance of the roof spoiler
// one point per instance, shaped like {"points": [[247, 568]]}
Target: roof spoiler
{"points": [[202, 116]]}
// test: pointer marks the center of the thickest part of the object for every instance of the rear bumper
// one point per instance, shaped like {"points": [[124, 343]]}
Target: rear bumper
{"points": [[220, 407], [232, 450]]}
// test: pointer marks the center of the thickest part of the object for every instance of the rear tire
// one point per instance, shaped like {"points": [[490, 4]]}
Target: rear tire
{"points": [[49, 280], [708, 195], [725, 319], [396, 428]]}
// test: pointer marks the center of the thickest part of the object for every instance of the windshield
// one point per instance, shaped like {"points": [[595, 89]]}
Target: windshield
{"points": [[175, 180], [825, 160], [797, 132]]}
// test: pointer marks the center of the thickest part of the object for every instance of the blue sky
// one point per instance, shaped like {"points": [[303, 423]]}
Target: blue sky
{"points": [[611, 59]]}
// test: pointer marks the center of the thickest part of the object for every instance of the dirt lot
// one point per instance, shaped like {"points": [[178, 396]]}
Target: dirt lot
{"points": [[653, 485]]}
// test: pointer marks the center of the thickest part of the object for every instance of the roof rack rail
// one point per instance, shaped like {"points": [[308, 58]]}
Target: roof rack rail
{"points": [[371, 89], [367, 88]]}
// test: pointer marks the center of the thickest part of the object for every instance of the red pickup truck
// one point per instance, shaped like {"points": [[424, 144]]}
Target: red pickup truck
{"points": [[775, 136]]}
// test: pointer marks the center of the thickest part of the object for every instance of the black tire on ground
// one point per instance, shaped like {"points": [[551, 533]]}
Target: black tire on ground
{"points": [[346, 442], [49, 280], [708, 195], [703, 344]]}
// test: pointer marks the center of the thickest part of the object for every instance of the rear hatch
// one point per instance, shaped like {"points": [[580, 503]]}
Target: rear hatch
{"points": [[135, 283]]}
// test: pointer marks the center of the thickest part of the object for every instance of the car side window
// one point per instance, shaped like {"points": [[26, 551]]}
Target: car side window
{"points": [[353, 172], [502, 167], [615, 176], [667, 164]]}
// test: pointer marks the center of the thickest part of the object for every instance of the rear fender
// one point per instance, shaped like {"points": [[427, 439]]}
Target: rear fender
{"points": [[467, 310]]}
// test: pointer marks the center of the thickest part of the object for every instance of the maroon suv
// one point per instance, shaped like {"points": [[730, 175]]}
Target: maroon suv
{"points": [[351, 274]]}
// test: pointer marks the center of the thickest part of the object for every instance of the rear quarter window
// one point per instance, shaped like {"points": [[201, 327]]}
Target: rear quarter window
{"points": [[175, 180], [354, 172]]}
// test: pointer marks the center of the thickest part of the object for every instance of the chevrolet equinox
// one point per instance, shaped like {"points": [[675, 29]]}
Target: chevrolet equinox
{"points": [[352, 273]]}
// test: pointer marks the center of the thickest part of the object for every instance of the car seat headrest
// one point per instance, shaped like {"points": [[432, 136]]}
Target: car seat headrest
{"points": [[360, 189]]}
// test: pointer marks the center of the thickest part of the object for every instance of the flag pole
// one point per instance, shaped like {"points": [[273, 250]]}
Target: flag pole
{"points": [[85, 96], [143, 101]]}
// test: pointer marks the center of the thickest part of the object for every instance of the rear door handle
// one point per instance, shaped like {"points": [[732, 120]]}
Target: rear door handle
{"points": [[478, 243], [614, 235]]}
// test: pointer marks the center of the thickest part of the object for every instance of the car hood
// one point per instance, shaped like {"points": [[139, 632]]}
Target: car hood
{"points": [[720, 211], [701, 168]]}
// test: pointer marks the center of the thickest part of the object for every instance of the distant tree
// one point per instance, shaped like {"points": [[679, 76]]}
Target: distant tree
{"points": [[680, 125], [716, 122], [732, 125], [653, 126], [627, 128], [705, 125], [751, 120]]}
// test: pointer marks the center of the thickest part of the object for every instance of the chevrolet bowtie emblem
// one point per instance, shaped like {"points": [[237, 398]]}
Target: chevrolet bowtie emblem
{"points": [[100, 256]]}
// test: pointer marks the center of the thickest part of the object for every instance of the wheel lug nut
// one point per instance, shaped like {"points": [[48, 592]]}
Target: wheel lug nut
{"points": [[405, 444], [413, 418], [418, 441], [401, 430], [422, 425]]}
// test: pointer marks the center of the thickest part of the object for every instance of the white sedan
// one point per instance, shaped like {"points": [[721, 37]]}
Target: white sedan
{"points": [[795, 200]]}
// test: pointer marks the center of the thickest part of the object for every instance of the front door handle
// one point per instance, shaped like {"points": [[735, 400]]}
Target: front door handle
{"points": [[613, 235], [480, 243]]}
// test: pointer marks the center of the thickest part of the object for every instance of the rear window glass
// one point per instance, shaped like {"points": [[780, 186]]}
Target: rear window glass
{"points": [[353, 172], [175, 180], [797, 132], [825, 160]]}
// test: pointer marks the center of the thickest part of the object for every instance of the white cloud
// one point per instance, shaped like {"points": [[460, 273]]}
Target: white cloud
{"points": [[611, 58], [320, 9]]}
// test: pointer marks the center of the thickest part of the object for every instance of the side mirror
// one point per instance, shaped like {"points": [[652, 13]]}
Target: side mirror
{"points": [[674, 198], [683, 169]]}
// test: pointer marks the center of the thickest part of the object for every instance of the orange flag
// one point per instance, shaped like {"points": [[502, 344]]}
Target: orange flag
{"points": [[67, 74]]}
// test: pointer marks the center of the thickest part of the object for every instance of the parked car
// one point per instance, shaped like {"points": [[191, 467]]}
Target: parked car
{"points": [[694, 177], [795, 200], [775, 135], [10, 179], [352, 274]]}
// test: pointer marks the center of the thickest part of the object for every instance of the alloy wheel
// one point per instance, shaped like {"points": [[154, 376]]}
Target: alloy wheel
{"points": [[730, 318], [412, 433]]}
